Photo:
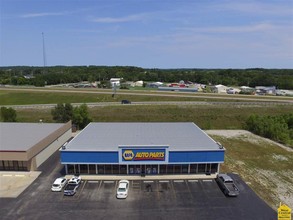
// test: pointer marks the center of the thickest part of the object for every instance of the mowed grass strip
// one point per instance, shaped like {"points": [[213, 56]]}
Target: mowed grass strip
{"points": [[21, 96]]}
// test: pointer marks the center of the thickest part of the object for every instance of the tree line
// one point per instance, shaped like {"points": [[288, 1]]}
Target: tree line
{"points": [[62, 113], [40, 76], [278, 128]]}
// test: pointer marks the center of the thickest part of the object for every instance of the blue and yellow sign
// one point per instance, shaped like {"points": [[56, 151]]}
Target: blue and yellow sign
{"points": [[143, 154]]}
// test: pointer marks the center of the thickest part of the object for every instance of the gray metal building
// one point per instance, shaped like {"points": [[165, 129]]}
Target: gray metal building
{"points": [[25, 146]]}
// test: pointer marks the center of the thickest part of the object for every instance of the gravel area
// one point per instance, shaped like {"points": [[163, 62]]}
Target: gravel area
{"points": [[283, 189], [246, 134]]}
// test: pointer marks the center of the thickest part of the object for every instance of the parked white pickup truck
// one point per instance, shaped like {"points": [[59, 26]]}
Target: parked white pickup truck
{"points": [[227, 184]]}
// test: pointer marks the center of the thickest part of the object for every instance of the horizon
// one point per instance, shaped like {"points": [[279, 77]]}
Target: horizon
{"points": [[179, 34]]}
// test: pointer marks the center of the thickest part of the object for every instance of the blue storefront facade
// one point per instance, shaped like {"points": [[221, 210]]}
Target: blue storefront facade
{"points": [[194, 154]]}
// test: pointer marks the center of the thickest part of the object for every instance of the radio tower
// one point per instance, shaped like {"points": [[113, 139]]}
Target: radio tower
{"points": [[44, 51]]}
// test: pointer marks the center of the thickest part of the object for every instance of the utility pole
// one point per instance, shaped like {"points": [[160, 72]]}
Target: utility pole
{"points": [[44, 51]]}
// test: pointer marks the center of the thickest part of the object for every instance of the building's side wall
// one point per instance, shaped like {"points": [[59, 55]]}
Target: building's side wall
{"points": [[37, 148], [10, 155], [53, 147]]}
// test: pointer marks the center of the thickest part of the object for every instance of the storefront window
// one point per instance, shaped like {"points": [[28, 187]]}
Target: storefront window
{"points": [[101, 169], [1, 165], [108, 169], [154, 169], [84, 168], [201, 168], [170, 169], [115, 169], [163, 169], [214, 168], [131, 169], [177, 169], [92, 169], [70, 168], [123, 169], [193, 168], [185, 168]]}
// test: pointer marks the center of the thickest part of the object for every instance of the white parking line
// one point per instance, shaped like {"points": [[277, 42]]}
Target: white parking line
{"points": [[108, 181], [148, 181], [93, 181], [6, 175], [19, 175], [193, 181], [178, 181], [207, 180]]}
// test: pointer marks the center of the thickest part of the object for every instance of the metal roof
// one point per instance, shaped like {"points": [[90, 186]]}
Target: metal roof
{"points": [[23, 136], [109, 136]]}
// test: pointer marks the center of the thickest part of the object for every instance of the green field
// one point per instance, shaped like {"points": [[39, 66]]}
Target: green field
{"points": [[256, 162], [205, 116]]}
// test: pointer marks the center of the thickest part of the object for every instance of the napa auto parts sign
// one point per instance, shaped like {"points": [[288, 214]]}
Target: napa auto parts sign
{"points": [[145, 155]]}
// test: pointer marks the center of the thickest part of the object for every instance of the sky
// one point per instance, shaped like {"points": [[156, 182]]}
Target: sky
{"points": [[147, 33]]}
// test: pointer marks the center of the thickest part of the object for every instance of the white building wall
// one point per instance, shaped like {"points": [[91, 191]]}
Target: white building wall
{"points": [[52, 148]]}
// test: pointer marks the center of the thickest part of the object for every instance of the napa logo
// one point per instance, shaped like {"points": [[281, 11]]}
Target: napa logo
{"points": [[128, 155]]}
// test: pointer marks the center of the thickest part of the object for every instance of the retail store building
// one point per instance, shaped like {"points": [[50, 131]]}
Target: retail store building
{"points": [[25, 146], [142, 149]]}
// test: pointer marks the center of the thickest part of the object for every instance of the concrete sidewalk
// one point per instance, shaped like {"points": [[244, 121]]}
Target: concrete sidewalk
{"points": [[147, 177], [12, 184]]}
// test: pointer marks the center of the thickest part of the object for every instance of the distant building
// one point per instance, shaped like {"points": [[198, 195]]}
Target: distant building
{"points": [[219, 89], [138, 83], [265, 90], [115, 81]]}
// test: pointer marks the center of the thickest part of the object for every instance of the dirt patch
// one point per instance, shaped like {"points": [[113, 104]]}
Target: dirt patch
{"points": [[246, 135]]}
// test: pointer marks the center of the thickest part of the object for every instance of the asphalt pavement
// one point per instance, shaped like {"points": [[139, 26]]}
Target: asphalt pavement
{"points": [[147, 199]]}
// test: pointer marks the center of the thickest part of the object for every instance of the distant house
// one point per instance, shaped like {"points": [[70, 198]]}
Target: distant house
{"points": [[115, 81], [219, 89], [247, 90], [154, 84], [265, 90], [233, 91], [284, 92], [138, 83]]}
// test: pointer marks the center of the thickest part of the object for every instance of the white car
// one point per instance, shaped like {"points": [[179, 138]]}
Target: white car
{"points": [[58, 184], [74, 180], [122, 190]]}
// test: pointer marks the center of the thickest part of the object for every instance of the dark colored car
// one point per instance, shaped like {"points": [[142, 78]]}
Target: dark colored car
{"points": [[125, 101], [72, 186]]}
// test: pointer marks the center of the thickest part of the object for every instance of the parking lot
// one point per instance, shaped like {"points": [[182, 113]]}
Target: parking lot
{"points": [[147, 199]]}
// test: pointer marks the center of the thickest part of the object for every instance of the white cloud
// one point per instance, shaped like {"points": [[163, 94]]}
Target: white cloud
{"points": [[279, 8], [261, 27], [130, 18], [44, 14]]}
